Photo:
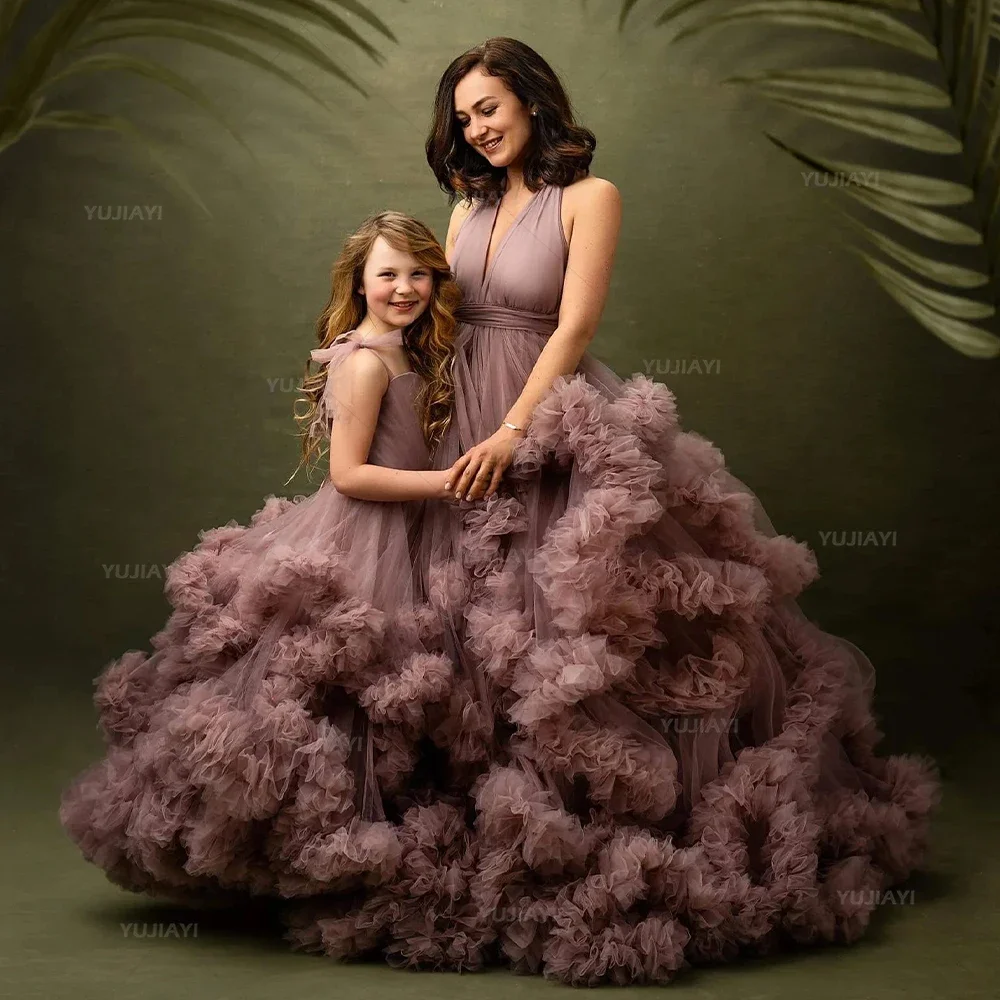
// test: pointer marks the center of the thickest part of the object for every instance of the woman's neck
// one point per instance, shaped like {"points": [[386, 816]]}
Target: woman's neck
{"points": [[515, 182]]}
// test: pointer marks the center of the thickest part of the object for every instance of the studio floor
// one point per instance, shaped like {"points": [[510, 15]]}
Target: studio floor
{"points": [[66, 931]]}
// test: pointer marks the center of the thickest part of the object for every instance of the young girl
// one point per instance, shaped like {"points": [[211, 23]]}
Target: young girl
{"points": [[291, 691]]}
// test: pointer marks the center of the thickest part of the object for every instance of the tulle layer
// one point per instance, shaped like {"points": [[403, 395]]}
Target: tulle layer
{"points": [[283, 704], [682, 766], [588, 733]]}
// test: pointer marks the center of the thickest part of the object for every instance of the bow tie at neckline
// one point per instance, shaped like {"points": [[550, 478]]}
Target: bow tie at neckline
{"points": [[350, 340]]}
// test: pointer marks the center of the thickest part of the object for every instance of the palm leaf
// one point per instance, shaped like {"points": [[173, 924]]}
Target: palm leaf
{"points": [[308, 10], [62, 48], [64, 119], [197, 36], [21, 124], [150, 71], [39, 54], [827, 15], [318, 13], [890, 126], [956, 333], [918, 189], [853, 82], [226, 18], [865, 100], [943, 302], [923, 221], [974, 52], [681, 7], [936, 270], [10, 10]]}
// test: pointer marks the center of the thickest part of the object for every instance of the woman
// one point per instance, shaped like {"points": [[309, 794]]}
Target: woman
{"points": [[668, 761]]}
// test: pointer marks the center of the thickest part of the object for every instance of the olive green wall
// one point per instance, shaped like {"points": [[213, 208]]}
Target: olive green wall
{"points": [[149, 364]]}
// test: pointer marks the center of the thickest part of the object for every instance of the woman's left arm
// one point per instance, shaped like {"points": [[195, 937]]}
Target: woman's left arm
{"points": [[596, 225]]}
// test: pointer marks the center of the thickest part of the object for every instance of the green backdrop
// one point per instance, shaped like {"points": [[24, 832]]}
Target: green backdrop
{"points": [[152, 360], [147, 390]]}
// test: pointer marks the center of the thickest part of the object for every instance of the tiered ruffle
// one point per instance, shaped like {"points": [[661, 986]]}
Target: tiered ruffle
{"points": [[789, 813], [671, 765]]}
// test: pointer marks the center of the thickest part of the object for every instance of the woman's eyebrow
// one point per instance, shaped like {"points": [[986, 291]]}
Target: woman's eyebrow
{"points": [[488, 97]]}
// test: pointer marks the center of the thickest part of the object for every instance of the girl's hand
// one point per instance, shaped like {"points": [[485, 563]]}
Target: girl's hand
{"points": [[479, 471], [441, 490], [439, 479]]}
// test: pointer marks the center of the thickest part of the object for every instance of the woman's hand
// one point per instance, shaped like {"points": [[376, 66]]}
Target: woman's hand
{"points": [[479, 471]]}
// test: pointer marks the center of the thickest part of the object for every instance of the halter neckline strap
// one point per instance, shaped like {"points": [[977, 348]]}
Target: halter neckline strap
{"points": [[336, 353], [349, 341]]}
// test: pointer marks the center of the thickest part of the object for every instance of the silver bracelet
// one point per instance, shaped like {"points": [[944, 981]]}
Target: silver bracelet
{"points": [[513, 427]]}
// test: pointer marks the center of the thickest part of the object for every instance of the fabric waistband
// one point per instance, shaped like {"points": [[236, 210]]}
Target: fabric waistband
{"points": [[484, 314]]}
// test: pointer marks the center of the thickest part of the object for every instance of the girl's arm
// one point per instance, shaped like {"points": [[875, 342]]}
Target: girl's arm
{"points": [[358, 387], [596, 225]]}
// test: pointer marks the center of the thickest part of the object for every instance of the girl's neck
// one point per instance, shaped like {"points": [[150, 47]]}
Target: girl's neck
{"points": [[372, 324]]}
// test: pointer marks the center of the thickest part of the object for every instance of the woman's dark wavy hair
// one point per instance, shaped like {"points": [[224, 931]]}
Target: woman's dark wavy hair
{"points": [[560, 151]]}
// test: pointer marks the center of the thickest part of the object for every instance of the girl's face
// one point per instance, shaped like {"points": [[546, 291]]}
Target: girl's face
{"points": [[486, 111], [393, 279]]}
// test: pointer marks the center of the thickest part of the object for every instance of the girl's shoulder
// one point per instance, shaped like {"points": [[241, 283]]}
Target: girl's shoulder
{"points": [[365, 353], [370, 366]]}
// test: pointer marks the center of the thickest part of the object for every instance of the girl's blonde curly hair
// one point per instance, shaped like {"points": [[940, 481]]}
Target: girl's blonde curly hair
{"points": [[429, 341]]}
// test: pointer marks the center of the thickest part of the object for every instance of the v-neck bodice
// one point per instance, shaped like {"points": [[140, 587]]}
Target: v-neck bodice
{"points": [[494, 219], [529, 261]]}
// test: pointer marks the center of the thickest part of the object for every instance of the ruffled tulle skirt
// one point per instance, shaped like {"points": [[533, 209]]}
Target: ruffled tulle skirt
{"points": [[282, 706], [669, 763], [592, 736]]}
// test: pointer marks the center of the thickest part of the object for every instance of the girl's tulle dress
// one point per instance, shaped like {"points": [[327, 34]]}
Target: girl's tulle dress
{"points": [[281, 710]]}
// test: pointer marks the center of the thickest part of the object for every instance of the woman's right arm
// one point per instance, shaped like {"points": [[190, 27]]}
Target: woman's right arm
{"points": [[358, 387]]}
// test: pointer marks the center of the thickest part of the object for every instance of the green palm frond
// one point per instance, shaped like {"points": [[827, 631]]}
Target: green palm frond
{"points": [[10, 10], [122, 126], [65, 47], [943, 274], [148, 70], [208, 39], [852, 82], [952, 44]]}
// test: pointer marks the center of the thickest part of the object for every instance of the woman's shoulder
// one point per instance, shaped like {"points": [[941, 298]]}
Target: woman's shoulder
{"points": [[458, 215], [589, 197], [588, 189], [461, 210]]}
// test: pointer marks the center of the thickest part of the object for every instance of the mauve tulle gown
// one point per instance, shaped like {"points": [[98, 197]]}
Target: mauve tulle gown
{"points": [[668, 763], [594, 739], [253, 751]]}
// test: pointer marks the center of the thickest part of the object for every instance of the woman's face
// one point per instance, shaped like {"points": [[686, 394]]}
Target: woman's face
{"points": [[485, 110], [392, 276]]}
